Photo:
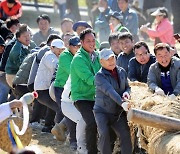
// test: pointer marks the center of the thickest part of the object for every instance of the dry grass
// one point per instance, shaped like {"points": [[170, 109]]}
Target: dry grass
{"points": [[159, 141]]}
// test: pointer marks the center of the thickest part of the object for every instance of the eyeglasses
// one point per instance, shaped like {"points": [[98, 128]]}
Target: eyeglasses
{"points": [[141, 55]]}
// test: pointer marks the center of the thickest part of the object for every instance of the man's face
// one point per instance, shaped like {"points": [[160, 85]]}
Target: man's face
{"points": [[103, 4], [89, 42], [66, 40], [80, 29], [66, 27], [115, 46], [25, 38], [108, 64], [159, 18], [43, 25], [142, 55], [126, 45], [163, 57], [57, 51], [123, 5], [10, 5], [1, 49], [14, 28], [74, 49]]}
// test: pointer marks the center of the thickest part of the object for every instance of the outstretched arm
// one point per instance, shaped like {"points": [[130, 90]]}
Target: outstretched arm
{"points": [[6, 109]]}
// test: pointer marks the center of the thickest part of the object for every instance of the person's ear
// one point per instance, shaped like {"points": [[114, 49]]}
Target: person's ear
{"points": [[101, 61], [81, 42], [133, 42], [51, 47]]}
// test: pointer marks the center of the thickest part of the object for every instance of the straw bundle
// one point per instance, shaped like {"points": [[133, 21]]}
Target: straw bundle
{"points": [[156, 141], [5, 143]]}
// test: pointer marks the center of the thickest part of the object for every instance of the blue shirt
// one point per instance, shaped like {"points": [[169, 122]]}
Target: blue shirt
{"points": [[166, 83], [123, 60]]}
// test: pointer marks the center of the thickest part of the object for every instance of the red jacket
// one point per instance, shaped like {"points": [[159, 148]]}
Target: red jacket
{"points": [[14, 12]]}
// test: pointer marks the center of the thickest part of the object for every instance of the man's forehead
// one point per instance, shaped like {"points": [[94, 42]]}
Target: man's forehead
{"points": [[142, 48], [162, 51], [89, 35], [115, 40], [125, 40]]}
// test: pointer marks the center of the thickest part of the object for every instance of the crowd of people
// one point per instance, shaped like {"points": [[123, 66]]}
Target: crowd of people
{"points": [[82, 73]]}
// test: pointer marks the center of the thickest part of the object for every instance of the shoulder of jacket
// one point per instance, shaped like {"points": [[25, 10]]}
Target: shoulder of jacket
{"points": [[17, 45], [131, 11], [101, 72], [120, 69], [154, 65], [133, 59], [3, 2], [65, 53], [18, 3], [49, 54], [120, 55], [53, 30], [38, 33], [176, 61]]}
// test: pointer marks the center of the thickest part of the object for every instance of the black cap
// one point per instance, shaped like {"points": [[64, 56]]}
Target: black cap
{"points": [[2, 42], [75, 40], [81, 23], [11, 1], [116, 15], [104, 45]]}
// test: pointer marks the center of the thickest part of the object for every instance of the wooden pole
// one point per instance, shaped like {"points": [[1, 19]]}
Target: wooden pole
{"points": [[153, 120]]}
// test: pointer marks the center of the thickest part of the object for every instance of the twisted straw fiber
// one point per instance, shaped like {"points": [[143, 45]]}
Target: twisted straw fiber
{"points": [[5, 143], [158, 141]]}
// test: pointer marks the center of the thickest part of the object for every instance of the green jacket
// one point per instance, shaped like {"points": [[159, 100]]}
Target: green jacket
{"points": [[122, 29], [63, 70], [83, 71], [97, 45], [16, 57]]}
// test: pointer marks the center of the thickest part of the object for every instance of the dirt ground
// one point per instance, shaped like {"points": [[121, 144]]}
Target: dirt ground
{"points": [[47, 144]]}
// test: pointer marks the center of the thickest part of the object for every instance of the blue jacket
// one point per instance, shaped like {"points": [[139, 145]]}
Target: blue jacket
{"points": [[154, 76], [123, 60], [137, 71], [102, 25], [130, 21], [109, 92]]}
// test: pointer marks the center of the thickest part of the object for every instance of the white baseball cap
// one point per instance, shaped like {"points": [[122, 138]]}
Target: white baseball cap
{"points": [[106, 54], [58, 44], [160, 12]]}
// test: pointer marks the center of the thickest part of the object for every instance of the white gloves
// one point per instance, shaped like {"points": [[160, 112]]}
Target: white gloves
{"points": [[126, 95], [172, 97], [159, 91], [126, 106]]}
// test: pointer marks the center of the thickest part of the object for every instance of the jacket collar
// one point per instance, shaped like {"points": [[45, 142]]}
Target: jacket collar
{"points": [[117, 27], [105, 71], [87, 54], [131, 53]]}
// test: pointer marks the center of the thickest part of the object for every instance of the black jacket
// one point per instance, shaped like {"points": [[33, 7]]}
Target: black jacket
{"points": [[137, 71]]}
